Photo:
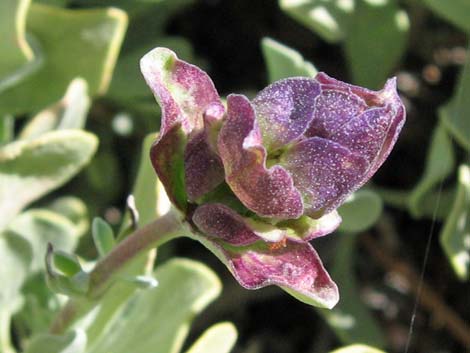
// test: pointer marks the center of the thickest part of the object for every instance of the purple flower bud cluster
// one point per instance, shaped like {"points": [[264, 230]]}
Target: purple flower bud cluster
{"points": [[260, 178]]}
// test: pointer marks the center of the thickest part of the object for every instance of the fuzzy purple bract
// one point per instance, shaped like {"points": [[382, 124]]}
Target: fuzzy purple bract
{"points": [[259, 179]]}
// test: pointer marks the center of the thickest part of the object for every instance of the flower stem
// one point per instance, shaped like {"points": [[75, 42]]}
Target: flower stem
{"points": [[106, 271]]}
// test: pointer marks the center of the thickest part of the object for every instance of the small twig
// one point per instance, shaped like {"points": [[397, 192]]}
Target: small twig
{"points": [[110, 267], [430, 300], [130, 202]]}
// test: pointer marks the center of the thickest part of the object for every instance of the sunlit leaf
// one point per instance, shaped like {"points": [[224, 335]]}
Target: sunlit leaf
{"points": [[185, 287], [219, 338], [81, 43], [329, 19], [283, 62], [69, 113], [373, 33], [30, 169], [455, 236], [350, 319]]}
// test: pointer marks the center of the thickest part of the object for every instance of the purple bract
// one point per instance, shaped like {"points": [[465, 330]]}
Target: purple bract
{"points": [[266, 176]]}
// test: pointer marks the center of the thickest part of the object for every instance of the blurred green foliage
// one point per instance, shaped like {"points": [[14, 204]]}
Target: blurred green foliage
{"points": [[59, 56]]}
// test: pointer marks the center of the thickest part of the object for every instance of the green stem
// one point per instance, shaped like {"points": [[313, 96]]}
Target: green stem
{"points": [[106, 270]]}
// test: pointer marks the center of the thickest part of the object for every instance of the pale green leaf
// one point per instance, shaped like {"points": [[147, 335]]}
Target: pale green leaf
{"points": [[81, 43], [69, 113], [15, 255], [145, 186], [30, 169], [283, 62], [455, 236], [40, 227], [329, 19], [455, 115], [350, 318], [103, 236], [159, 318], [75, 210], [73, 342], [357, 348], [360, 211], [440, 163], [454, 11], [376, 40], [219, 338]]}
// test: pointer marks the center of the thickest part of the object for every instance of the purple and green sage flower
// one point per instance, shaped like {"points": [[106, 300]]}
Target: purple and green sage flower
{"points": [[259, 179]]}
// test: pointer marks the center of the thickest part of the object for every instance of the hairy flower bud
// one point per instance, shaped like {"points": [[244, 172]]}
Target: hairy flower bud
{"points": [[303, 145], [266, 176]]}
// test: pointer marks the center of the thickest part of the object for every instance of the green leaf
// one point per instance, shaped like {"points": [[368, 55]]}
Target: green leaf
{"points": [[30, 169], [283, 62], [81, 43], [360, 211], [73, 342], [66, 263], [75, 210], [75, 284], [103, 236], [455, 11], [440, 163], [14, 47], [41, 227], [374, 33], [15, 255], [149, 194], [375, 41], [69, 113], [185, 287], [219, 338], [329, 19], [455, 115], [145, 187], [7, 129], [39, 308], [357, 348], [455, 236], [350, 319]]}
